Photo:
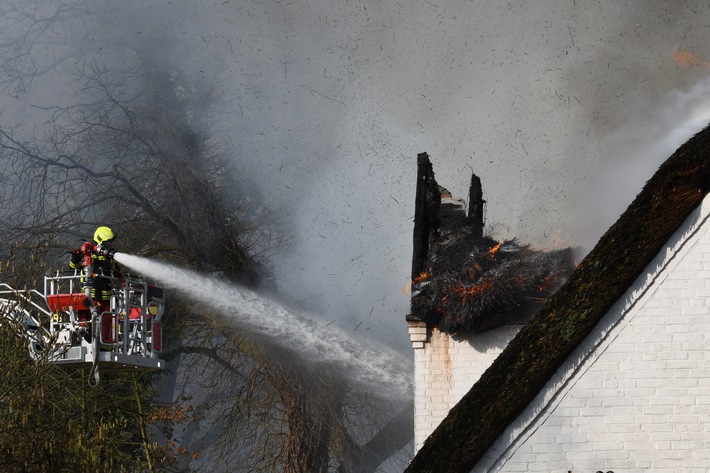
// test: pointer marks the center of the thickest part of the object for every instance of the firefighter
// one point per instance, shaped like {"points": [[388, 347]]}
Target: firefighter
{"points": [[102, 266]]}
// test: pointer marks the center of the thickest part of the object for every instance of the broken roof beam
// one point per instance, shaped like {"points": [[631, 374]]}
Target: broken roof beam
{"points": [[426, 213], [475, 206]]}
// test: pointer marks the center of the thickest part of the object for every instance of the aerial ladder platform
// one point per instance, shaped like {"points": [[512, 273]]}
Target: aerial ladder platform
{"points": [[63, 325]]}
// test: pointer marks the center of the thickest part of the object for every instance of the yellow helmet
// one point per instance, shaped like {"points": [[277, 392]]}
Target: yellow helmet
{"points": [[103, 235]]}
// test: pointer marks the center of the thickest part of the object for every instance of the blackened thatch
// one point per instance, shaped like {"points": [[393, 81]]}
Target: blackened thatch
{"points": [[540, 348], [477, 287], [471, 283]]}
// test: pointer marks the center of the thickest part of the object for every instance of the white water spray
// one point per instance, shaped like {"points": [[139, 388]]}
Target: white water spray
{"points": [[369, 365]]}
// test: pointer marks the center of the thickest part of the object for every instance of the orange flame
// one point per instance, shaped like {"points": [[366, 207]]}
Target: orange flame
{"points": [[467, 292], [407, 288], [495, 249], [545, 285], [422, 277]]}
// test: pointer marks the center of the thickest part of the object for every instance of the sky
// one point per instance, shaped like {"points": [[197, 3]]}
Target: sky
{"points": [[562, 108]]}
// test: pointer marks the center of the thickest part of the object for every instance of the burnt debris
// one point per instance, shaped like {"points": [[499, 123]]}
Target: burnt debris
{"points": [[464, 281]]}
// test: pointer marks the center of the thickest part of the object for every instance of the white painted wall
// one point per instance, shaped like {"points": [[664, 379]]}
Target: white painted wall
{"points": [[445, 368], [636, 395]]}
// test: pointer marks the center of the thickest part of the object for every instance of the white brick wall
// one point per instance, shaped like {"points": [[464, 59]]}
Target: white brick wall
{"points": [[445, 368], [636, 395]]}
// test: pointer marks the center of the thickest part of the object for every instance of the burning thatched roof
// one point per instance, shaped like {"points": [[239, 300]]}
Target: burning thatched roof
{"points": [[469, 282], [540, 348]]}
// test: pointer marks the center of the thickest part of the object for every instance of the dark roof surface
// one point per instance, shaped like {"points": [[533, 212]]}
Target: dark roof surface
{"points": [[540, 348]]}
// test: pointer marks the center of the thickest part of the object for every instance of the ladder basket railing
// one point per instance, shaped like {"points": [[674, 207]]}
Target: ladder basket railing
{"points": [[129, 324]]}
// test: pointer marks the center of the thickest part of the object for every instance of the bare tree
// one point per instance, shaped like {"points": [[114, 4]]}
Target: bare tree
{"points": [[130, 153]]}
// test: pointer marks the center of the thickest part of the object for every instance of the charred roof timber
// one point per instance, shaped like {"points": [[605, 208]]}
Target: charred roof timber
{"points": [[463, 280]]}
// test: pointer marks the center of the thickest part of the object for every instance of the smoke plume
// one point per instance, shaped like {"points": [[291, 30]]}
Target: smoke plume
{"points": [[562, 109]]}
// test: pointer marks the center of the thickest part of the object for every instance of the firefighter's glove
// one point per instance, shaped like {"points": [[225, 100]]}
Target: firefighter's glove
{"points": [[76, 257]]}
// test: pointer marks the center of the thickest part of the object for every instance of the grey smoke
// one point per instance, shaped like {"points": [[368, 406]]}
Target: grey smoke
{"points": [[323, 107]]}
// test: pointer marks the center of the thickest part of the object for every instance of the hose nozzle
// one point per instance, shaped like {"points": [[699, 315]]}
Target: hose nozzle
{"points": [[106, 252]]}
